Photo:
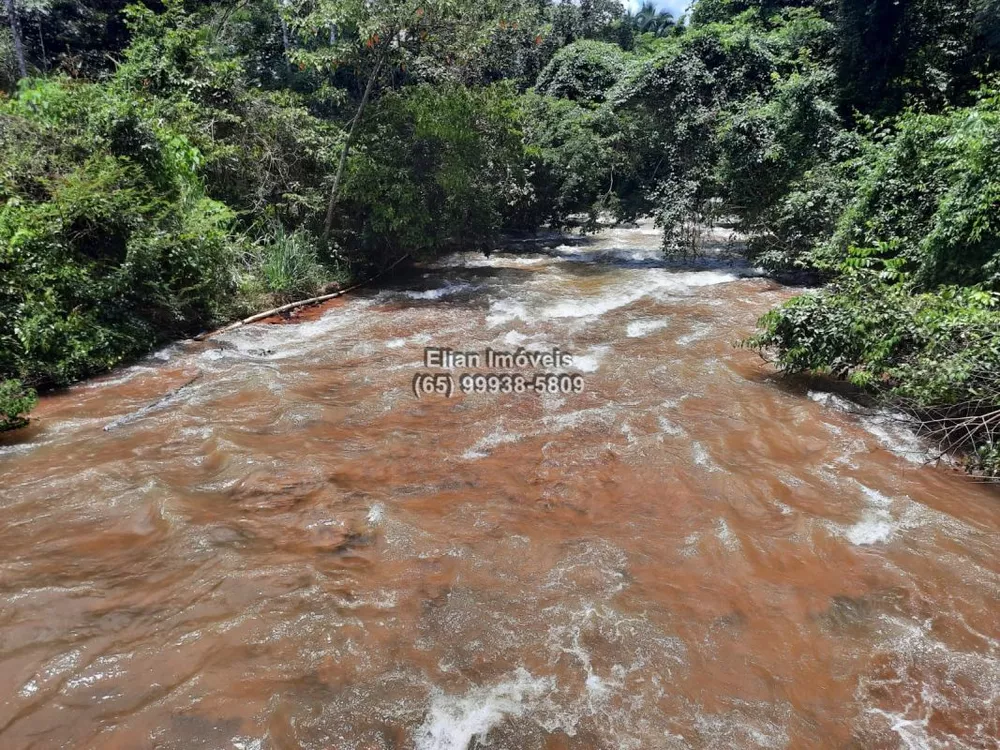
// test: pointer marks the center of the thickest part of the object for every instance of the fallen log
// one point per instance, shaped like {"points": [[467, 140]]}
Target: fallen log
{"points": [[296, 305]]}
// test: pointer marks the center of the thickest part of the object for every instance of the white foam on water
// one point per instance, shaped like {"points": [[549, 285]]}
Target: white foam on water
{"points": [[592, 307], [497, 260], [884, 518], [609, 562], [420, 338], [895, 431], [376, 515], [669, 428], [166, 353], [725, 535], [896, 434], [655, 282], [28, 689], [590, 361], [279, 342], [507, 310], [15, 449], [912, 733], [743, 729], [56, 667], [674, 282], [551, 402], [649, 282], [453, 722], [448, 290], [88, 680], [877, 524], [639, 328], [702, 457], [873, 528], [875, 497], [485, 444], [513, 338], [701, 331], [568, 420], [833, 401], [930, 677], [566, 250]]}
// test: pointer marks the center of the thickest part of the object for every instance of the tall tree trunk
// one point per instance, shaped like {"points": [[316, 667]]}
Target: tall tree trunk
{"points": [[16, 31], [41, 43], [345, 151]]}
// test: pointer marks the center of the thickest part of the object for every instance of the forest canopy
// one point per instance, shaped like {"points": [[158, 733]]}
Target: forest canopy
{"points": [[166, 166]]}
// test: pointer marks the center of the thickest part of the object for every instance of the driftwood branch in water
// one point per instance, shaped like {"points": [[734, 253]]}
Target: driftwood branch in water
{"points": [[295, 305]]}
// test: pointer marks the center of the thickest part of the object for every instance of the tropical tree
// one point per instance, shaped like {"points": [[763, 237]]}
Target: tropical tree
{"points": [[649, 20]]}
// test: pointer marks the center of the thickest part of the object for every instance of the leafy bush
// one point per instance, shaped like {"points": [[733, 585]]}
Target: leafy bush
{"points": [[930, 187], [723, 118], [583, 71], [107, 241], [936, 353], [769, 146], [8, 62], [574, 156], [15, 402], [785, 234], [439, 166], [261, 152]]}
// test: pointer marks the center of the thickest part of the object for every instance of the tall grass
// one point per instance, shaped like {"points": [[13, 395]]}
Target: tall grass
{"points": [[284, 268]]}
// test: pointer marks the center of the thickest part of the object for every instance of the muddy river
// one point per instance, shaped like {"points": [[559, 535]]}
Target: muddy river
{"points": [[266, 541]]}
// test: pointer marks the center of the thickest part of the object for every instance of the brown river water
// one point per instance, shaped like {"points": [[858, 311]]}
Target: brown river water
{"points": [[266, 540]]}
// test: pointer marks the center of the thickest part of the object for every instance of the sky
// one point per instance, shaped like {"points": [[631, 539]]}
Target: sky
{"points": [[677, 7]]}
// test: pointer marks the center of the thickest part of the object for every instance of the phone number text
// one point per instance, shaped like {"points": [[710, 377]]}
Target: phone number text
{"points": [[447, 385]]}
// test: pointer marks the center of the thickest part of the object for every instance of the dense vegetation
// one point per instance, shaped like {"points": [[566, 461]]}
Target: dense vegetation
{"points": [[165, 166]]}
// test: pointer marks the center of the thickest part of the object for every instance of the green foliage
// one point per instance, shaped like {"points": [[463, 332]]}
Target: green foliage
{"points": [[107, 241], [783, 236], [893, 54], [440, 166], [262, 153], [649, 20], [723, 118], [574, 159], [929, 188], [603, 20], [768, 144], [8, 61], [583, 72], [15, 402], [287, 266], [936, 353]]}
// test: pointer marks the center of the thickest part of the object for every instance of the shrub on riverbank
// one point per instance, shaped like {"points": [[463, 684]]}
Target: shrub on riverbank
{"points": [[914, 314], [15, 403], [108, 243], [935, 354], [439, 167]]}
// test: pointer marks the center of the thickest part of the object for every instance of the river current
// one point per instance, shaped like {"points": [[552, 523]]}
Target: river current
{"points": [[266, 541]]}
